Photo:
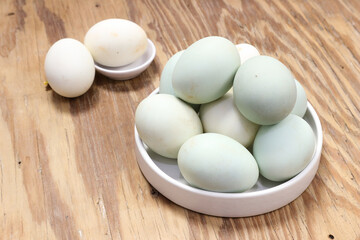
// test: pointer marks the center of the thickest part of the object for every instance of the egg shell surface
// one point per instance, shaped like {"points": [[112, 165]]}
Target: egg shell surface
{"points": [[222, 116], [116, 42], [206, 69], [69, 68], [301, 100], [264, 90], [167, 73], [284, 149], [164, 123], [166, 78], [217, 163], [246, 51]]}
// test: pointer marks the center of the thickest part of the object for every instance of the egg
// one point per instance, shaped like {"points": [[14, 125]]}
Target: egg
{"points": [[116, 42], [164, 123], [246, 51], [166, 78], [264, 90], [69, 68], [284, 149], [301, 101], [222, 116], [206, 69], [167, 73], [217, 163]]}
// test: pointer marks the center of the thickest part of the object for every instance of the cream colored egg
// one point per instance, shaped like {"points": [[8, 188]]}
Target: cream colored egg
{"points": [[246, 51], [69, 68], [164, 123], [222, 116], [116, 42]]}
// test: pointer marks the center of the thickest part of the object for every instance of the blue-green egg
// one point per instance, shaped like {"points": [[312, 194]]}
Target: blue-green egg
{"points": [[205, 71], [217, 163], [167, 73], [166, 78], [264, 90], [284, 149], [301, 101]]}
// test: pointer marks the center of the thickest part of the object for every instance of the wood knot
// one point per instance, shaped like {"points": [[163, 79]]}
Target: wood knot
{"points": [[97, 5], [154, 192], [11, 14]]}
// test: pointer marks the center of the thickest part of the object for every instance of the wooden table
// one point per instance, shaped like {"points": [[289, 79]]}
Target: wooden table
{"points": [[68, 168]]}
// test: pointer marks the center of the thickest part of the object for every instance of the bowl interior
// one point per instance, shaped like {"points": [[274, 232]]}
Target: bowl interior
{"points": [[263, 185], [141, 62]]}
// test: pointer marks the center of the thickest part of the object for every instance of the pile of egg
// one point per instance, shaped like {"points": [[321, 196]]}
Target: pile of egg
{"points": [[227, 114], [70, 66]]}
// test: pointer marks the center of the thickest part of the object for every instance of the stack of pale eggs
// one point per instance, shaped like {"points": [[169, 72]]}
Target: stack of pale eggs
{"points": [[227, 114], [70, 66]]}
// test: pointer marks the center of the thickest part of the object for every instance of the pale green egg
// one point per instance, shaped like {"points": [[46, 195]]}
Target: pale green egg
{"points": [[166, 78], [284, 149], [167, 73], [206, 69], [164, 123], [301, 101], [218, 163], [264, 90]]}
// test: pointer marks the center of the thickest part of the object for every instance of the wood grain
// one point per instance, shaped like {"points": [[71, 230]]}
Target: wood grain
{"points": [[68, 168]]}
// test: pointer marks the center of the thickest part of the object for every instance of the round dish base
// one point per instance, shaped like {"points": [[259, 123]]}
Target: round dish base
{"points": [[266, 196]]}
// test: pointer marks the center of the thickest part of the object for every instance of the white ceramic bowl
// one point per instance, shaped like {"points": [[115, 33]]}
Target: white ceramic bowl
{"points": [[164, 174], [131, 70]]}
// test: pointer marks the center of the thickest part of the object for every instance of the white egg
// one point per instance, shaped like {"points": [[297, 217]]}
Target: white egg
{"points": [[246, 51], [164, 123], [222, 116], [218, 163], [116, 42], [69, 68], [284, 149], [301, 101]]}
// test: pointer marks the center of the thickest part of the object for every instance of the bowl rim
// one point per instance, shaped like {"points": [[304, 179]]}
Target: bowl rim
{"points": [[118, 70], [273, 190]]}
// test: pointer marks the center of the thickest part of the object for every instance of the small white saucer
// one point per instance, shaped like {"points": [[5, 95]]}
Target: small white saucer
{"points": [[131, 70], [265, 196]]}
